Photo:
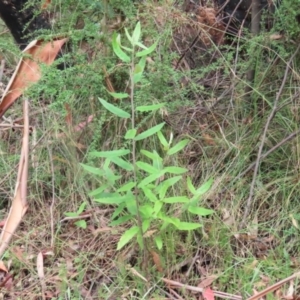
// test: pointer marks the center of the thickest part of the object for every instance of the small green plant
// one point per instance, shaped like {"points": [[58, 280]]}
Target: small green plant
{"points": [[80, 223], [146, 198]]}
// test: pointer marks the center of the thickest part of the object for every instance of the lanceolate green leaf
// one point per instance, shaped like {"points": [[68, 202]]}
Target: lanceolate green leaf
{"points": [[149, 194], [131, 204], [146, 51], [151, 155], [200, 211], [81, 208], [146, 224], [179, 199], [146, 167], [136, 33], [139, 69], [119, 95], [115, 110], [191, 186], [146, 210], [204, 187], [113, 200], [122, 163], [130, 134], [127, 236], [157, 207], [121, 220], [81, 224], [150, 107], [188, 226], [93, 170], [141, 45], [117, 49], [110, 154], [98, 191], [179, 146], [118, 210], [163, 187], [175, 170], [149, 179], [163, 140], [126, 187], [158, 242], [128, 36], [149, 132]]}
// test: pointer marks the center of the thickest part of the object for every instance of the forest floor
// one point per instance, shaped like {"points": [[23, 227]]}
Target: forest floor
{"points": [[245, 139]]}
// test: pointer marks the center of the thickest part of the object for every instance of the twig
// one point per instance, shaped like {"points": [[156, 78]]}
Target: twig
{"points": [[175, 294], [273, 287], [2, 68], [9, 126], [200, 290], [259, 154], [192, 264]]}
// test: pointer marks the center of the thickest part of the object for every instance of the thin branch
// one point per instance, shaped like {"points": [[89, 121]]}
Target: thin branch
{"points": [[274, 287], [200, 290], [259, 154]]}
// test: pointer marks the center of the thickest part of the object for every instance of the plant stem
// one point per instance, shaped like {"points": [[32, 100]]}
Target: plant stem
{"points": [[139, 219]]}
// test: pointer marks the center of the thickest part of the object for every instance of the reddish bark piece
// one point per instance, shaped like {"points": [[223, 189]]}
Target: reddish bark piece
{"points": [[28, 71]]}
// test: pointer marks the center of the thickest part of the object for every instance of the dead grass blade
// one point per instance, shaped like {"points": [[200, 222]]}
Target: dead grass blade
{"points": [[28, 71], [19, 204], [201, 290]]}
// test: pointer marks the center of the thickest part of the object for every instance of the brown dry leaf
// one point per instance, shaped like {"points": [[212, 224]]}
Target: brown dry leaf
{"points": [[294, 221], [276, 36], [82, 125], [208, 139], [19, 205], [8, 282], [16, 213], [45, 4], [253, 230], [28, 70], [228, 218], [265, 278], [149, 233], [3, 267], [136, 273], [68, 117], [157, 261], [207, 281], [290, 292], [40, 268]]}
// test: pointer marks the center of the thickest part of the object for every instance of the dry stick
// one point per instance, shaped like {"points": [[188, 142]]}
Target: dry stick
{"points": [[200, 290], [273, 287], [2, 68], [259, 154]]}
